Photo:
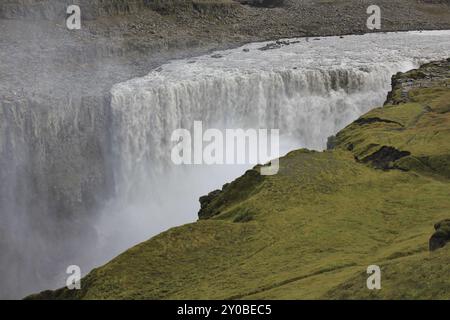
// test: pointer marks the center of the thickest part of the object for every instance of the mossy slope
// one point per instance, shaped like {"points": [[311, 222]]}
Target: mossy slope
{"points": [[311, 230]]}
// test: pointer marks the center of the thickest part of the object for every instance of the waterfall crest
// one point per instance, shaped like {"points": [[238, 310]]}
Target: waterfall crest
{"points": [[309, 90]]}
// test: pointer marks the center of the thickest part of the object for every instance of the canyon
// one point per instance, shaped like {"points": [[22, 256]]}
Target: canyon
{"points": [[66, 119]]}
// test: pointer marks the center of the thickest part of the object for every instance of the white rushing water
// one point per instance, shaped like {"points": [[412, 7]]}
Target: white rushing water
{"points": [[309, 90]]}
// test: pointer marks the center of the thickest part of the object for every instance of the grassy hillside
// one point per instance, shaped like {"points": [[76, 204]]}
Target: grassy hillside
{"points": [[311, 230]]}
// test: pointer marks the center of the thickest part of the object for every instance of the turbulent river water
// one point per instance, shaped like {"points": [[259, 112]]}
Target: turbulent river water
{"points": [[309, 90]]}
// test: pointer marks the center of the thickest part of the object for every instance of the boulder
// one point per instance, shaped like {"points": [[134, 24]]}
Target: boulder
{"points": [[441, 236], [262, 3]]}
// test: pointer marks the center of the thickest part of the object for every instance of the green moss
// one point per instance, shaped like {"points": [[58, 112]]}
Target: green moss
{"points": [[220, 201], [420, 276], [420, 128], [243, 216]]}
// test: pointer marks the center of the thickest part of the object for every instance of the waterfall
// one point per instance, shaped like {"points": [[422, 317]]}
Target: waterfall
{"points": [[55, 159], [309, 90], [307, 106]]}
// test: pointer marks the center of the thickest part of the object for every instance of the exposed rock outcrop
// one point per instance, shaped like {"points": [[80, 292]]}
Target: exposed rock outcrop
{"points": [[384, 157], [404, 133], [441, 236], [263, 3], [213, 204]]}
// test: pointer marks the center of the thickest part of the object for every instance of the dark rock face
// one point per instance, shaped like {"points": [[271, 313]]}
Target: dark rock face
{"points": [[263, 3], [385, 156], [331, 142], [441, 236], [53, 177], [213, 204], [424, 77], [363, 121], [205, 202], [54, 10]]}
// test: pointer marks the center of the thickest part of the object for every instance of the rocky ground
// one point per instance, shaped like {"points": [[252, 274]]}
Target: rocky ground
{"points": [[121, 39]]}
